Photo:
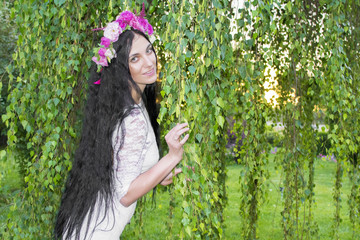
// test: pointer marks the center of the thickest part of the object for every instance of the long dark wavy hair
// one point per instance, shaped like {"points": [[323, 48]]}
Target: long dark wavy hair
{"points": [[91, 176]]}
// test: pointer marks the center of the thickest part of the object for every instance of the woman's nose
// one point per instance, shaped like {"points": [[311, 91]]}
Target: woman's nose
{"points": [[149, 61]]}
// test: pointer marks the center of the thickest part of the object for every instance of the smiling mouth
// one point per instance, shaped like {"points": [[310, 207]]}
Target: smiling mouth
{"points": [[151, 72]]}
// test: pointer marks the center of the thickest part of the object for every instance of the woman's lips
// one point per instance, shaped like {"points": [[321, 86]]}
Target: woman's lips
{"points": [[150, 73]]}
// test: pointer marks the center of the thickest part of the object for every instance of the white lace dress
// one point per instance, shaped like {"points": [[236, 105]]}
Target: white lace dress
{"points": [[138, 153]]}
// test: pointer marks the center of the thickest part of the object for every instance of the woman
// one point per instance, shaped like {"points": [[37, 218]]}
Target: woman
{"points": [[117, 161]]}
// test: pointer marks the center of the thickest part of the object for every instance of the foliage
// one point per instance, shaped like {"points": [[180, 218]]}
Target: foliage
{"points": [[268, 224], [7, 43], [207, 75], [304, 42], [322, 144], [274, 138], [198, 51], [44, 102], [46, 99]]}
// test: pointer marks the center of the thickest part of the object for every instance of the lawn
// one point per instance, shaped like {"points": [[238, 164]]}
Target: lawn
{"points": [[270, 216], [269, 225], [9, 187]]}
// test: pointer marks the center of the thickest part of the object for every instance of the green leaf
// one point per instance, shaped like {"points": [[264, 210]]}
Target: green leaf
{"points": [[199, 137], [220, 120], [220, 102], [288, 6], [207, 62], [56, 101], [170, 79], [217, 73], [190, 35], [242, 70], [188, 230], [2, 154], [192, 69], [58, 3]]}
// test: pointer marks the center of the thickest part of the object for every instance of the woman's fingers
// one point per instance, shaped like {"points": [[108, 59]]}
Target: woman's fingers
{"points": [[178, 127], [175, 133], [183, 141], [177, 171], [180, 132]]}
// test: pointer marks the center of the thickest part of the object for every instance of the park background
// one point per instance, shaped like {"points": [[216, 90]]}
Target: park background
{"points": [[269, 89]]}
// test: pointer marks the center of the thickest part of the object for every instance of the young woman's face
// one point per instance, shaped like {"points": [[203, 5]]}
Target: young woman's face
{"points": [[142, 62]]}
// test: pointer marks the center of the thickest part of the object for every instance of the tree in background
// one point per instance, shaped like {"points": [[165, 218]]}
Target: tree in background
{"points": [[313, 46]]}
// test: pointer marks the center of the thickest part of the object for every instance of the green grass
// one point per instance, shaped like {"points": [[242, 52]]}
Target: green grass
{"points": [[9, 186], [323, 207], [269, 224]]}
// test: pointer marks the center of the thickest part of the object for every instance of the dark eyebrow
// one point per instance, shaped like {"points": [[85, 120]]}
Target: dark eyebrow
{"points": [[135, 54], [149, 46]]}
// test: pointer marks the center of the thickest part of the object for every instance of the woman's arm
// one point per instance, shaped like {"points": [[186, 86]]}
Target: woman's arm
{"points": [[149, 179]]}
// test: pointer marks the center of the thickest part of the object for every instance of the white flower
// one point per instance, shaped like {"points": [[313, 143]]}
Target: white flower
{"points": [[110, 53], [152, 38], [112, 31]]}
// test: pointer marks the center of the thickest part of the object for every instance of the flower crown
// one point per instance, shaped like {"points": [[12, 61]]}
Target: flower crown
{"points": [[112, 31]]}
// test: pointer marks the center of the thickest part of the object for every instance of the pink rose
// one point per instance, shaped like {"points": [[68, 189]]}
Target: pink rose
{"points": [[146, 25], [134, 23], [102, 61], [121, 23], [149, 29], [126, 16], [102, 52], [105, 42], [112, 31], [143, 22]]}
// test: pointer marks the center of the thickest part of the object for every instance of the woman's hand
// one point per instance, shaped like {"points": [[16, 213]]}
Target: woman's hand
{"points": [[176, 149], [161, 171], [169, 178], [174, 142]]}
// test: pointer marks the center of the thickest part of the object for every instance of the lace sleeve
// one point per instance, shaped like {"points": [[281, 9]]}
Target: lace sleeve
{"points": [[129, 156]]}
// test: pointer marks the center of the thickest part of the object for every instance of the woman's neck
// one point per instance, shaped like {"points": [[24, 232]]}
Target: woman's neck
{"points": [[136, 96]]}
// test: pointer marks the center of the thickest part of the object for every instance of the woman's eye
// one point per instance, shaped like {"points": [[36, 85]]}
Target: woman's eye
{"points": [[134, 59], [149, 50]]}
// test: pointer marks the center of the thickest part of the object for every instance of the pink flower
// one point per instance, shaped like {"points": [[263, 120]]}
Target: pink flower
{"points": [[134, 23], [112, 31], [98, 82], [105, 42], [121, 23], [146, 25], [126, 16], [102, 52], [102, 61], [149, 29], [143, 22]]}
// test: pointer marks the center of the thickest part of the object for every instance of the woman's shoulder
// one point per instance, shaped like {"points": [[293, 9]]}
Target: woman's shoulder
{"points": [[135, 116], [135, 111], [134, 123]]}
